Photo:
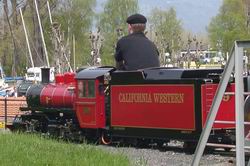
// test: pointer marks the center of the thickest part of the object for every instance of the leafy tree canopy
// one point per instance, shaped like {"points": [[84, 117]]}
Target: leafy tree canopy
{"points": [[229, 25], [168, 31], [76, 18], [112, 23]]}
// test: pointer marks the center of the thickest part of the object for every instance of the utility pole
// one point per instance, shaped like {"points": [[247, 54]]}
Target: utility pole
{"points": [[26, 37], [41, 30], [50, 17]]}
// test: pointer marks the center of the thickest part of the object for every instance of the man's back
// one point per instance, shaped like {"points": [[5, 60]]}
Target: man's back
{"points": [[137, 52]]}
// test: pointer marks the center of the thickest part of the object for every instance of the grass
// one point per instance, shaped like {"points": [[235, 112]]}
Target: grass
{"points": [[24, 150]]}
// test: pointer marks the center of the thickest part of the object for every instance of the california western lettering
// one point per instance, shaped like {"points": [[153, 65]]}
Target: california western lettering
{"points": [[151, 97], [168, 97], [135, 98]]}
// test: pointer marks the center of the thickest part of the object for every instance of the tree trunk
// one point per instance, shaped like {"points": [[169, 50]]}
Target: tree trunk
{"points": [[14, 54], [5, 35], [14, 13], [16, 59]]}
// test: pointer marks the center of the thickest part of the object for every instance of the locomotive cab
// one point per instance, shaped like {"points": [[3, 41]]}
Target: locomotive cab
{"points": [[90, 97]]}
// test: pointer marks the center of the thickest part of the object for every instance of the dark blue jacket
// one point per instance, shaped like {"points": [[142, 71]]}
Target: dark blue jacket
{"points": [[136, 51]]}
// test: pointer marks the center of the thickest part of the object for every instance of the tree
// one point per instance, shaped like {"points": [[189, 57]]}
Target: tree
{"points": [[76, 18], [112, 23], [229, 25], [10, 55], [13, 45], [168, 31]]}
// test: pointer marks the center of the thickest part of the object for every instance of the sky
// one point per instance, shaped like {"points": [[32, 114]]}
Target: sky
{"points": [[194, 14]]}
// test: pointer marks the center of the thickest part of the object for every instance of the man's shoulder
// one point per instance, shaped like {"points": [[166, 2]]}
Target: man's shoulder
{"points": [[124, 39], [133, 36]]}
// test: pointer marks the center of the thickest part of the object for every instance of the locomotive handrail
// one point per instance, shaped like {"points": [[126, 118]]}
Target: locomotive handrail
{"points": [[233, 93], [225, 146], [229, 122]]}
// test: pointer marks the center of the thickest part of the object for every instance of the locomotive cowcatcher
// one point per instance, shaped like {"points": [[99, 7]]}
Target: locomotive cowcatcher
{"points": [[152, 105]]}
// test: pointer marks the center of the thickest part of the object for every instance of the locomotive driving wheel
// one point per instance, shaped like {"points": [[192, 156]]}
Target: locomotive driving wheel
{"points": [[105, 138], [189, 147]]}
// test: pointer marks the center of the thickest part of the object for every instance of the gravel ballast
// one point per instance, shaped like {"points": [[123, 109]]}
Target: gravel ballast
{"points": [[170, 156]]}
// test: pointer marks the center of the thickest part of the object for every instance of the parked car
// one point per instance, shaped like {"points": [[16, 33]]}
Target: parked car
{"points": [[218, 59], [205, 60]]}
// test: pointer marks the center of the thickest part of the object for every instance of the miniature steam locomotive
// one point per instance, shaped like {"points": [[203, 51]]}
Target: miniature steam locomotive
{"points": [[152, 105]]}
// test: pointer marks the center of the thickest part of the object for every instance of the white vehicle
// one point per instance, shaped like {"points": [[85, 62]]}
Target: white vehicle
{"points": [[207, 60], [216, 59], [35, 74]]}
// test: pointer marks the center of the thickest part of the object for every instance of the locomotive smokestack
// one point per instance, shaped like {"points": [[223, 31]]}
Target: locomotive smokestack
{"points": [[45, 75]]}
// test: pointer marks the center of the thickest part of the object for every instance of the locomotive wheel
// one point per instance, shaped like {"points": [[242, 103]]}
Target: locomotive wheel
{"points": [[189, 147], [105, 138], [32, 126], [92, 136], [159, 143], [143, 143], [18, 125]]}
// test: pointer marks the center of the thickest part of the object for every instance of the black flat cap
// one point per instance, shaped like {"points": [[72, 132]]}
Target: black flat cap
{"points": [[136, 19]]}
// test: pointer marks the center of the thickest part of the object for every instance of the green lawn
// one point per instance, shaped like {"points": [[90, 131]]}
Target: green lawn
{"points": [[33, 150]]}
